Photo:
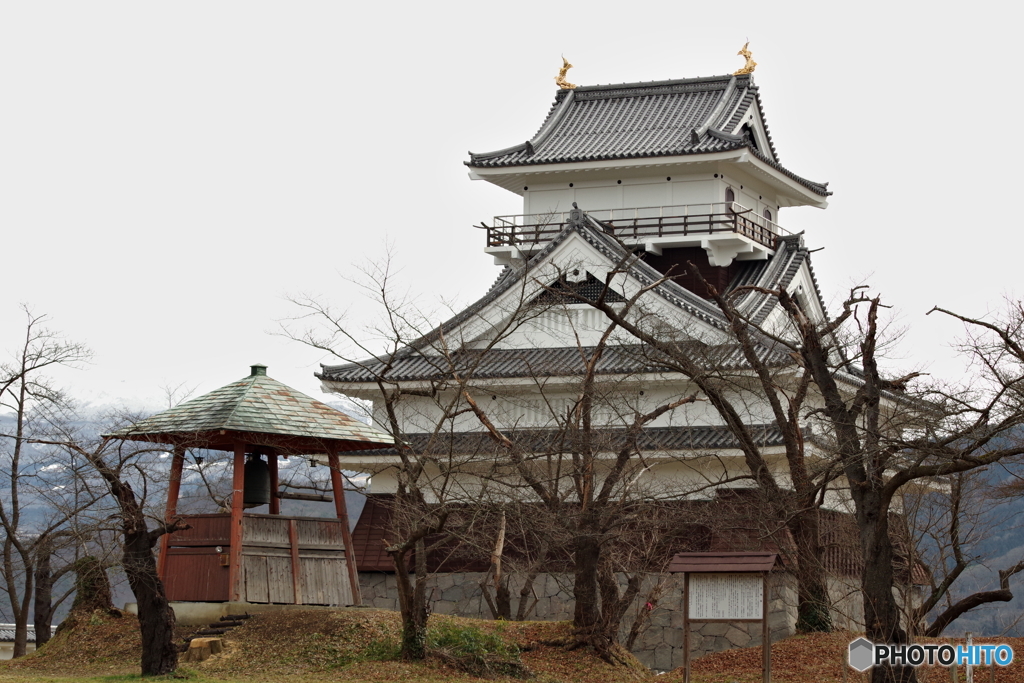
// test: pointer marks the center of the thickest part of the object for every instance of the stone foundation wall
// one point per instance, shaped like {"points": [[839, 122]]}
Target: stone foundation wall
{"points": [[659, 645], [847, 603]]}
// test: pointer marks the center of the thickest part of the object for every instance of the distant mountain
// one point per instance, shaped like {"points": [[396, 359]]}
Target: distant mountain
{"points": [[999, 544]]}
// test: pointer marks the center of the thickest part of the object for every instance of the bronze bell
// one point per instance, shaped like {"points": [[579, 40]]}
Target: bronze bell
{"points": [[256, 489]]}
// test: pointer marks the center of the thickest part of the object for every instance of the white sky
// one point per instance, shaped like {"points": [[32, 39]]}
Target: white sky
{"points": [[170, 172]]}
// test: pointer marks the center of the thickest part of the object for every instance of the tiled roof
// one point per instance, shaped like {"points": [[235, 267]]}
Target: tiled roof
{"points": [[7, 633], [534, 362], [548, 440], [420, 361], [370, 536], [640, 120], [562, 361], [257, 406]]}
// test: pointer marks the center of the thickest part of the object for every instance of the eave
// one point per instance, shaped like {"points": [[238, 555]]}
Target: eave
{"points": [[514, 178]]}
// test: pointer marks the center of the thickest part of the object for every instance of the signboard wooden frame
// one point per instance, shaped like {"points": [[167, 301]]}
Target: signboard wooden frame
{"points": [[728, 568]]}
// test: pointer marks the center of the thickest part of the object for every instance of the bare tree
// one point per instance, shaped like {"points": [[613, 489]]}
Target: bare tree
{"points": [[948, 523], [41, 494], [581, 473], [881, 431], [427, 468], [119, 464], [788, 499]]}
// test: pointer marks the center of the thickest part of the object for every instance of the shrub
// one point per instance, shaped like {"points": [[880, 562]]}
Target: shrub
{"points": [[475, 651]]}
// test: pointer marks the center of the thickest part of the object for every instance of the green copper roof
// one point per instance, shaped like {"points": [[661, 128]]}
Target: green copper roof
{"points": [[258, 410]]}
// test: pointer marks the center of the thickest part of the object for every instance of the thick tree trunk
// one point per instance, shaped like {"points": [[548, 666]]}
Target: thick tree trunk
{"points": [[587, 616], [813, 605], [411, 605], [156, 618], [43, 599], [21, 620], [881, 612]]}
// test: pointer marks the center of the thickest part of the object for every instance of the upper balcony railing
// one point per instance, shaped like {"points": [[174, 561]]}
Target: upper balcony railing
{"points": [[641, 223]]}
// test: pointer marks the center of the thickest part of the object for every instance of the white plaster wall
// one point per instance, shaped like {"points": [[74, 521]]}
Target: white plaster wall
{"points": [[654, 190], [701, 190], [7, 649]]}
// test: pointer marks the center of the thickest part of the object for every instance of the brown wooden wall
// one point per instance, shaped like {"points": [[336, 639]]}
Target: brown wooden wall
{"points": [[291, 560]]}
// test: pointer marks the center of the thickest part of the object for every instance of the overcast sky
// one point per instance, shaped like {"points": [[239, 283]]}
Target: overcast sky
{"points": [[171, 172]]}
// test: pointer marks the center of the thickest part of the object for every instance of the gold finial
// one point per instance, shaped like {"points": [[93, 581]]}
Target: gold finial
{"points": [[560, 78], [749, 67]]}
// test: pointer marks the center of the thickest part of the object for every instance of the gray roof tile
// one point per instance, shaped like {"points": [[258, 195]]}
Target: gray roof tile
{"points": [[256, 404], [639, 120], [542, 441], [7, 633], [533, 362], [420, 361]]}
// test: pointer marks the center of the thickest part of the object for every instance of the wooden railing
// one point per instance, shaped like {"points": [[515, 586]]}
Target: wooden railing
{"points": [[641, 223]]}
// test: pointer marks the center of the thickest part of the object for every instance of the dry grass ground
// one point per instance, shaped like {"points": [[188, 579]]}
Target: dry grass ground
{"points": [[356, 645]]}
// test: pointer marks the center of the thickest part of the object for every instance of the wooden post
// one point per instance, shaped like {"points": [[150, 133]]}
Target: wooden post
{"points": [[293, 541], [970, 665], [173, 489], [346, 534], [686, 627], [766, 632], [275, 501], [237, 493]]}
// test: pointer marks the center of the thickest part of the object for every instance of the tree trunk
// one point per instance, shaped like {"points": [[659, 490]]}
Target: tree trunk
{"points": [[21, 620], [92, 587], [586, 590], [411, 605], [43, 602], [881, 613], [156, 618], [813, 605]]}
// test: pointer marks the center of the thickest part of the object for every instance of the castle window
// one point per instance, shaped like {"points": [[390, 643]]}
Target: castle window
{"points": [[730, 196], [768, 214]]}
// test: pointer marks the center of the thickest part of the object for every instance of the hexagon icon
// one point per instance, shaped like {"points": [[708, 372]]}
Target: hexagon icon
{"points": [[861, 654]]}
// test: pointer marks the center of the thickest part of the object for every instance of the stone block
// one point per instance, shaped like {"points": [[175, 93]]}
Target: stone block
{"points": [[677, 657], [663, 658], [674, 637], [444, 607], [717, 629], [452, 594], [661, 617], [380, 603], [676, 619], [720, 644], [646, 657], [737, 637], [652, 637]]}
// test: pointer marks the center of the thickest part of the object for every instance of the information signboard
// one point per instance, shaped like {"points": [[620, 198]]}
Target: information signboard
{"points": [[726, 596]]}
